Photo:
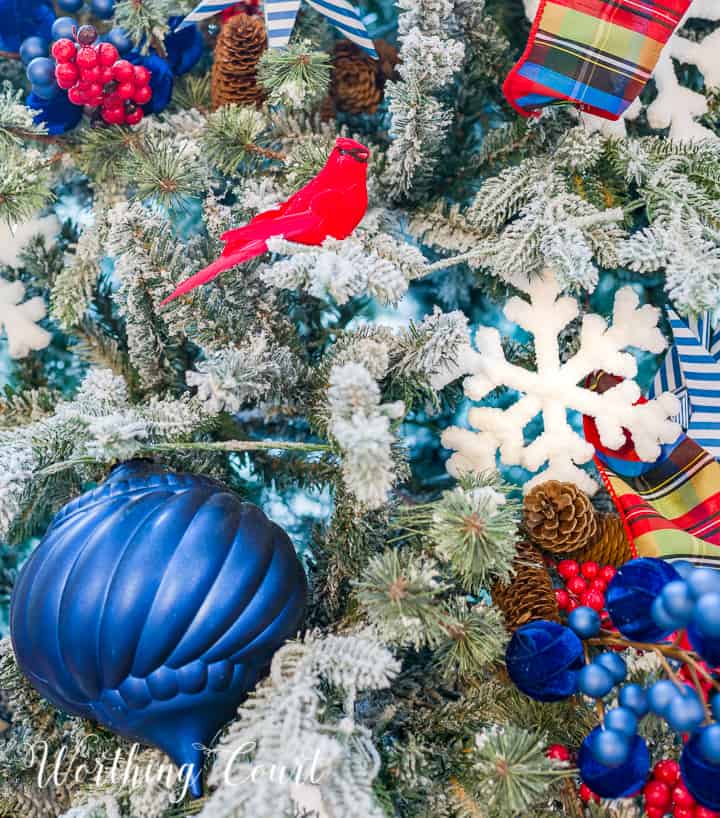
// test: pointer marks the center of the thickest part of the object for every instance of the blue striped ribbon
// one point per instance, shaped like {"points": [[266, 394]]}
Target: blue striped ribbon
{"points": [[280, 20], [691, 370]]}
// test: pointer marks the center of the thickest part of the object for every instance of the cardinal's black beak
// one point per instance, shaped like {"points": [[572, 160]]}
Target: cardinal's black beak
{"points": [[357, 154]]}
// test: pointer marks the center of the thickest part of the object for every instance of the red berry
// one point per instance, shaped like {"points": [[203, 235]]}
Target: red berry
{"points": [[681, 796], [598, 584], [142, 95], [141, 75], [66, 75], [77, 95], [107, 54], [593, 599], [577, 586], [135, 116], [568, 568], [608, 572], [94, 89], [63, 51], [562, 597], [657, 794], [113, 116], [92, 74], [667, 771], [587, 794], [106, 75], [572, 605], [86, 57], [655, 812], [558, 752], [589, 570], [123, 71], [125, 90], [683, 812], [704, 812]]}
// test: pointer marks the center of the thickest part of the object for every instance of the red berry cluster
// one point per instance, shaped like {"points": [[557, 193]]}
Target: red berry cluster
{"points": [[561, 753], [585, 584], [666, 794], [93, 74]]}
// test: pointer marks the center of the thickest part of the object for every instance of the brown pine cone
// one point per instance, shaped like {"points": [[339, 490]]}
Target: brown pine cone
{"points": [[559, 517], [358, 80], [238, 50], [610, 545], [529, 595]]}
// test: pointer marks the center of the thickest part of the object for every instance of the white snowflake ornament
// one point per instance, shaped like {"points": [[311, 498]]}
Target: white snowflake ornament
{"points": [[19, 320], [553, 388]]}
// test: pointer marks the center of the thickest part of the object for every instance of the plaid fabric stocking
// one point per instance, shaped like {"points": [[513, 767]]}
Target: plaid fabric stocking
{"points": [[671, 508], [598, 54]]}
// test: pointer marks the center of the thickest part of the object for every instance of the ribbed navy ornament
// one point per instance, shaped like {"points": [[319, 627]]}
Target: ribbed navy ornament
{"points": [[153, 605]]}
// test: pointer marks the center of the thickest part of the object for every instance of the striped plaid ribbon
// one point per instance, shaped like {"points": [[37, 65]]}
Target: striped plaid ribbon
{"points": [[691, 370], [280, 18]]}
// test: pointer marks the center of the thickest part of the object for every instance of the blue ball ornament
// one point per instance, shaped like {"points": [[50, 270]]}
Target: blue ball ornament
{"points": [[153, 604], [678, 601], [707, 615], [701, 777], [184, 46], [630, 596], [715, 706], [710, 743], [613, 663], [57, 114], [610, 747], [104, 9], [41, 71], [64, 28], [618, 781], [662, 618], [660, 695], [70, 6], [119, 38], [707, 647], [595, 681], [703, 581], [585, 622], [685, 712], [33, 47], [543, 659], [622, 719], [635, 698]]}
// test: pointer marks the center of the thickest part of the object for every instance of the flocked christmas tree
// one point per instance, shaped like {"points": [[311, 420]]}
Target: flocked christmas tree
{"points": [[400, 386]]}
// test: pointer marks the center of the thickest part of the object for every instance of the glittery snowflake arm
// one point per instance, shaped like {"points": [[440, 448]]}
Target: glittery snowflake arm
{"points": [[554, 388]]}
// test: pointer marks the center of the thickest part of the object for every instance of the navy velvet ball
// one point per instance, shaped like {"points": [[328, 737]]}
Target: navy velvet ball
{"points": [[24, 18], [543, 660], [184, 48], [701, 777], [614, 782], [630, 596], [161, 80], [153, 605], [58, 114]]}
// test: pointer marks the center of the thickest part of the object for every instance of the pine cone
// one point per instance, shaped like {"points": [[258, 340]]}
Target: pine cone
{"points": [[357, 79], [240, 45], [610, 545], [529, 595], [559, 517]]}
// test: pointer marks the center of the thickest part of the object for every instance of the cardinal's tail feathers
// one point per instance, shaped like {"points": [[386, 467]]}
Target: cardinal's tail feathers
{"points": [[255, 248]]}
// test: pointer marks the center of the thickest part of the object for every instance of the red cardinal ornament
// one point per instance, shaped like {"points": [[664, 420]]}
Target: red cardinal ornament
{"points": [[332, 204]]}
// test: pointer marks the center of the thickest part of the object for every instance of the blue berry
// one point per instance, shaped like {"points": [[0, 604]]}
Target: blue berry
{"points": [[683, 567], [45, 90], [660, 695], [585, 622], [710, 743], [64, 28], [662, 618], [678, 601], [621, 719], [610, 748], [685, 712], [703, 581], [595, 681], [104, 9], [634, 697], [41, 71], [707, 615], [70, 5], [33, 47], [120, 40], [614, 664], [715, 706]]}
